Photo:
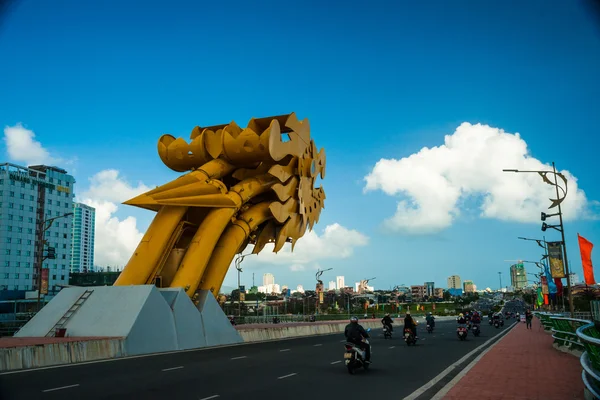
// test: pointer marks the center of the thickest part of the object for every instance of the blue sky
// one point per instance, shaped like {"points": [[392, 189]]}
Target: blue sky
{"points": [[99, 82]]}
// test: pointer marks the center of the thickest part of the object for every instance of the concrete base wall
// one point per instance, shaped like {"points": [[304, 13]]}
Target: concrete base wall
{"points": [[277, 332], [60, 353]]}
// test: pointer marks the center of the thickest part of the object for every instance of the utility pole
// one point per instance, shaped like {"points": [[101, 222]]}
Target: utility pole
{"points": [[500, 277]]}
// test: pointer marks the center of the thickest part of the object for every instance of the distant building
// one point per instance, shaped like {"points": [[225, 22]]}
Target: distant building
{"points": [[340, 283], [93, 278], [33, 202], [429, 289], [455, 292], [439, 293], [82, 239], [574, 278], [418, 291], [268, 279], [469, 287], [454, 282], [332, 285], [300, 289], [518, 276]]}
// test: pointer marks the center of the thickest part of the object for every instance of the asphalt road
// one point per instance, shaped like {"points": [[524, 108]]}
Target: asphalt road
{"points": [[292, 369]]}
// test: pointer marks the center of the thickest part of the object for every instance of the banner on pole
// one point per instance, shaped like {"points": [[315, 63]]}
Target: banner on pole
{"points": [[44, 288], [544, 285], [555, 253], [585, 248]]}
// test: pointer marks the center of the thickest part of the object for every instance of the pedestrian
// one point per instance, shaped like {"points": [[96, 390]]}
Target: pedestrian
{"points": [[528, 318]]}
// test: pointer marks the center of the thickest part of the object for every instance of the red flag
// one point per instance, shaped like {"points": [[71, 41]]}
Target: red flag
{"points": [[559, 286], [546, 300], [585, 247]]}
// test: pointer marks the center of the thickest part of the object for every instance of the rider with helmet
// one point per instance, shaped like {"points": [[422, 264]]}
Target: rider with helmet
{"points": [[430, 319], [461, 319], [355, 334], [476, 319], [387, 321], [410, 323]]}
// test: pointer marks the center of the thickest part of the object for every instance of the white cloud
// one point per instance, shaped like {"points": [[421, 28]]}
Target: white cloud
{"points": [[432, 182], [336, 242], [115, 239], [22, 147]]}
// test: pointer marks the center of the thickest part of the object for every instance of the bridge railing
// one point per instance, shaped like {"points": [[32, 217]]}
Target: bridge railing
{"points": [[564, 332], [590, 359]]}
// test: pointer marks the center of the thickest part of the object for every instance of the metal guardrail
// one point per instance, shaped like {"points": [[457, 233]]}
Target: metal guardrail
{"points": [[564, 332], [590, 359]]}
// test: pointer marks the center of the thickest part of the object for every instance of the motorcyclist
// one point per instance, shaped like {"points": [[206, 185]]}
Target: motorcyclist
{"points": [[430, 319], [388, 321], [356, 334], [410, 323], [461, 319], [476, 319]]}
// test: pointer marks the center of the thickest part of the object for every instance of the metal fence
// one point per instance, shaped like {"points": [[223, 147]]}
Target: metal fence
{"points": [[590, 359]]}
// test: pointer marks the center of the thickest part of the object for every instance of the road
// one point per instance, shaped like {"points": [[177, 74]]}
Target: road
{"points": [[293, 369]]}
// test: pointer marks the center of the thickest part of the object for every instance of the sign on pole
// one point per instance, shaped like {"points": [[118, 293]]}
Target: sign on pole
{"points": [[44, 288], [555, 252]]}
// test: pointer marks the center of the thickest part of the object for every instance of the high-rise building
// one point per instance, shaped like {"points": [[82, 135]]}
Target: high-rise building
{"points": [[429, 289], [331, 285], [574, 278], [439, 293], [340, 282], [418, 291], [82, 242], [268, 279], [518, 276], [454, 282], [33, 202], [469, 287]]}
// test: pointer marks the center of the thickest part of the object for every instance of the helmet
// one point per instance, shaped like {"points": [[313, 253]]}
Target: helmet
{"points": [[429, 313], [461, 315], [354, 319], [387, 315]]}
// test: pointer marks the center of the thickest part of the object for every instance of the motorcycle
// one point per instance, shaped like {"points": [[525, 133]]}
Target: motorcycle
{"points": [[409, 337], [387, 333], [462, 332], [429, 328], [496, 324], [355, 356], [476, 331], [469, 325]]}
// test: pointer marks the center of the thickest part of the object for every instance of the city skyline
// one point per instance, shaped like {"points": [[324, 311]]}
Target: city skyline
{"points": [[414, 183]]}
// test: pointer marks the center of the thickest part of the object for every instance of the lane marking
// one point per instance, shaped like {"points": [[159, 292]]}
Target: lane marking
{"points": [[287, 376], [239, 358], [335, 362], [171, 369], [60, 388], [445, 372], [392, 347], [211, 397], [284, 350], [318, 345]]}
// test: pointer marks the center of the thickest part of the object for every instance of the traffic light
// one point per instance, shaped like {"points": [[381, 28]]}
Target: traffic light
{"points": [[544, 216], [544, 225], [51, 253]]}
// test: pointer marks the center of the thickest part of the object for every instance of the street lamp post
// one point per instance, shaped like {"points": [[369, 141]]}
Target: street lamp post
{"points": [[46, 224], [320, 288], [560, 227]]}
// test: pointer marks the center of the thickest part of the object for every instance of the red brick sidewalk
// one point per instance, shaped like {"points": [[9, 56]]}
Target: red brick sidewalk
{"points": [[522, 366]]}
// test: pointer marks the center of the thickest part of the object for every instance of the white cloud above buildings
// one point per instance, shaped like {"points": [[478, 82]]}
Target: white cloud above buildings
{"points": [[22, 147], [432, 184]]}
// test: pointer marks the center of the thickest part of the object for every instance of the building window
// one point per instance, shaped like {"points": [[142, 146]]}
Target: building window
{"points": [[26, 276], [8, 252], [55, 266], [10, 228], [62, 277], [16, 276], [18, 241], [22, 196], [2, 181], [12, 194], [31, 197], [5, 276], [64, 235], [53, 277], [67, 183], [51, 191], [20, 218], [27, 265], [28, 252], [8, 240], [64, 257], [18, 264], [7, 263], [18, 252], [64, 244], [10, 217], [51, 180], [22, 184], [28, 241], [21, 207], [55, 234], [29, 230], [12, 183], [30, 220], [58, 203], [30, 209], [11, 205]]}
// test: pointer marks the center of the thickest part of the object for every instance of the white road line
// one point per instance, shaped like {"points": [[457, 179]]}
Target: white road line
{"points": [[287, 376], [239, 358], [392, 347], [335, 362], [284, 350], [211, 397], [60, 388], [171, 369], [318, 345]]}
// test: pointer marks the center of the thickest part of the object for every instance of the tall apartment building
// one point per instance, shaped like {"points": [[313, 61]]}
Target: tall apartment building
{"points": [[268, 279], [82, 242], [33, 204], [454, 282], [518, 276], [469, 287], [340, 283], [429, 288]]}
